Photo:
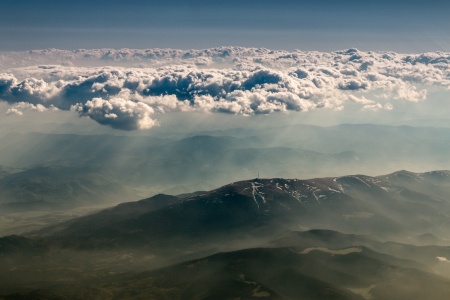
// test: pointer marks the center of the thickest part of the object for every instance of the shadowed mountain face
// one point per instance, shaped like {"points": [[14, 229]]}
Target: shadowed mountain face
{"points": [[284, 273], [316, 264], [271, 238], [399, 205]]}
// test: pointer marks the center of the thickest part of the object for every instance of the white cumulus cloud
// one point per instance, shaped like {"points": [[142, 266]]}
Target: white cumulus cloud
{"points": [[118, 113], [127, 89]]}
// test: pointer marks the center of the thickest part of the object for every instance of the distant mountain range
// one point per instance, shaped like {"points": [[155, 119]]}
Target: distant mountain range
{"points": [[59, 171], [348, 237]]}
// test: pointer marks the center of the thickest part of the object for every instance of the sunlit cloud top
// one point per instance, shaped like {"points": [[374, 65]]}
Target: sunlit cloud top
{"points": [[127, 89]]}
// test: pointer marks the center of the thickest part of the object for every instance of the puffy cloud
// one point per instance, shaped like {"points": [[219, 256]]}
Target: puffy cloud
{"points": [[118, 113], [140, 84], [6, 82], [353, 85]]}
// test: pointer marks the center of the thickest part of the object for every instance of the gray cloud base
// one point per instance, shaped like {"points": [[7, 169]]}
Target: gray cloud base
{"points": [[126, 89]]}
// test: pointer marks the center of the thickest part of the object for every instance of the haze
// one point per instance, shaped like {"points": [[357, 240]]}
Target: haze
{"points": [[235, 150]]}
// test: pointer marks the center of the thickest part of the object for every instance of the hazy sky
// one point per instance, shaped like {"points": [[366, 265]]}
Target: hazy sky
{"points": [[133, 89], [325, 25]]}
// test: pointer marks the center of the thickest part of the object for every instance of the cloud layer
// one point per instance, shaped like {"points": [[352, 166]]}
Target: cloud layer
{"points": [[127, 89]]}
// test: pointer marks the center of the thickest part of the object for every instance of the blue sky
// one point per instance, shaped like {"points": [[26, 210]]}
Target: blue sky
{"points": [[403, 26], [352, 85]]}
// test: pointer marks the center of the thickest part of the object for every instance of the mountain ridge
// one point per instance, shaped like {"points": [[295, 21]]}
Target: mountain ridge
{"points": [[347, 237], [348, 201]]}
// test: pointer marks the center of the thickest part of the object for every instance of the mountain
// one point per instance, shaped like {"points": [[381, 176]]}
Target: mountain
{"points": [[348, 237], [376, 206], [63, 171], [416, 148], [206, 159], [59, 171], [57, 187], [317, 264], [284, 273]]}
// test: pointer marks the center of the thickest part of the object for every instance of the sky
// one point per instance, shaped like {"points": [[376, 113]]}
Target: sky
{"points": [[135, 65], [324, 25]]}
